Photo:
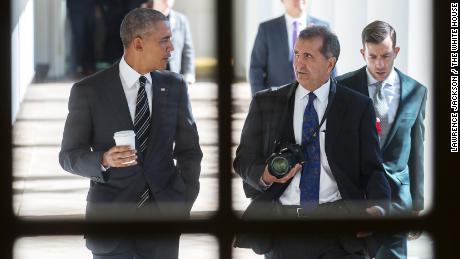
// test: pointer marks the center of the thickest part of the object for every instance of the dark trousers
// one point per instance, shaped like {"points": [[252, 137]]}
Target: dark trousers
{"points": [[394, 247], [165, 247], [159, 247], [319, 246], [312, 246], [82, 24]]}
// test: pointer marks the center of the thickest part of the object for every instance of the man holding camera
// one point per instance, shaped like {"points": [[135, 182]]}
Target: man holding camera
{"points": [[341, 172]]}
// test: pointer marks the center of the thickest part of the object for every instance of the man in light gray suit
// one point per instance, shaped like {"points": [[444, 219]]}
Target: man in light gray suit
{"points": [[160, 177], [271, 58], [183, 58]]}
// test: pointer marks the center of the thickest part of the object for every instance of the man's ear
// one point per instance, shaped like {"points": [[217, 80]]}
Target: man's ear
{"points": [[138, 44], [396, 51], [363, 52], [332, 61]]}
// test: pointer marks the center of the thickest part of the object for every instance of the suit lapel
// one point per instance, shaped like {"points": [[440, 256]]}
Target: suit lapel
{"points": [[283, 40], [117, 98], [289, 114], [159, 95], [280, 124], [362, 84], [335, 116], [405, 88]]}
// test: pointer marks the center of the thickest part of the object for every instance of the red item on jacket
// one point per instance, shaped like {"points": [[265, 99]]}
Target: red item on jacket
{"points": [[378, 127]]}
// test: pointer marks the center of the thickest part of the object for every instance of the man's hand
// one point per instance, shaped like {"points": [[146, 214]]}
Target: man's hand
{"points": [[269, 179], [374, 211], [119, 156]]}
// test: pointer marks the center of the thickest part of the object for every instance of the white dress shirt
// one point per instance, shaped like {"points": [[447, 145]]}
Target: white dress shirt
{"points": [[391, 91], [328, 190], [301, 24], [130, 82]]}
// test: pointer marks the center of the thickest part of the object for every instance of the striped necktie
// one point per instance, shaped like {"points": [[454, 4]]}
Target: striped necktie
{"points": [[142, 117]]}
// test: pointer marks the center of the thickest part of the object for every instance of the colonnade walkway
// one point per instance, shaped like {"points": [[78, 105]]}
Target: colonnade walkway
{"points": [[43, 190]]}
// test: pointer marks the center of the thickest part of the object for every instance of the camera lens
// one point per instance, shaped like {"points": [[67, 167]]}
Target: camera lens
{"points": [[279, 166]]}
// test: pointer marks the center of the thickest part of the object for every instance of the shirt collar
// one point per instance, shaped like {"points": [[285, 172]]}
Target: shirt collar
{"points": [[391, 79], [129, 75], [322, 93], [302, 20]]}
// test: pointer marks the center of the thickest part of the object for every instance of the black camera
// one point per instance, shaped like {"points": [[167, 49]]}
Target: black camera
{"points": [[280, 163]]}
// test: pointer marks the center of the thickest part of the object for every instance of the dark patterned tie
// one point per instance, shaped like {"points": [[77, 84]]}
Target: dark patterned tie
{"points": [[381, 111], [142, 117], [309, 180]]}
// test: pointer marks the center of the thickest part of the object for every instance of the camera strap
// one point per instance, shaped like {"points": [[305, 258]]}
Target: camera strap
{"points": [[288, 109], [332, 91]]}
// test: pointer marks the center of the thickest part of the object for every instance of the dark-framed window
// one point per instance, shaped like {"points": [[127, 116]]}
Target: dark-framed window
{"points": [[441, 223]]}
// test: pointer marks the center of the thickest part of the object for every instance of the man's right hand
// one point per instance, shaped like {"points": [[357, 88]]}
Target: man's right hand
{"points": [[119, 156], [269, 179]]}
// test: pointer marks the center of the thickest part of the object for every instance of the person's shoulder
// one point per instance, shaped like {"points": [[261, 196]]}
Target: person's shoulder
{"points": [[274, 92], [99, 78], [350, 75], [179, 16], [406, 78], [352, 78], [169, 79], [272, 22], [166, 74], [351, 96]]}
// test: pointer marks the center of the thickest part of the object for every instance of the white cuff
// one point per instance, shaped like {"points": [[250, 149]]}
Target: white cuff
{"points": [[264, 185]]}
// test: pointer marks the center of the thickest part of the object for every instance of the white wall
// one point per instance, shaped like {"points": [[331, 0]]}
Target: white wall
{"points": [[22, 52]]}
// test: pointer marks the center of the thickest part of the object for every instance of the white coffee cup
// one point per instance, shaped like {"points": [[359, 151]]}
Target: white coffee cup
{"points": [[125, 137]]}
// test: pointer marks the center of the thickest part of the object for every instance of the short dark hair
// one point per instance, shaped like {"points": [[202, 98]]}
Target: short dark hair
{"points": [[378, 31], [331, 45], [138, 22]]}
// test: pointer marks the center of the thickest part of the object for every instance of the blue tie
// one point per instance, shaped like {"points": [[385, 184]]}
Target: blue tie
{"points": [[309, 180]]}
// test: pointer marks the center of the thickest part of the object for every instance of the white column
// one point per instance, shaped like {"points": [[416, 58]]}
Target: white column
{"points": [[350, 17], [420, 67], [50, 27]]}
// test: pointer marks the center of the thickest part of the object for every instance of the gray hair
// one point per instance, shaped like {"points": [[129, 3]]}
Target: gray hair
{"points": [[139, 22], [331, 45]]}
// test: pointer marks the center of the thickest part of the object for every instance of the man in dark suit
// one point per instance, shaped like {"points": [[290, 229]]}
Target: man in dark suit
{"points": [[342, 174], [271, 58], [160, 177], [400, 106]]}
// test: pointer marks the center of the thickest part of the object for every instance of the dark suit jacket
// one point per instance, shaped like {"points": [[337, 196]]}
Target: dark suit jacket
{"points": [[183, 57], [270, 59], [351, 143], [402, 151], [351, 146], [98, 109]]}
